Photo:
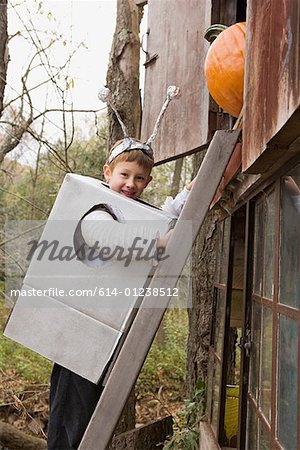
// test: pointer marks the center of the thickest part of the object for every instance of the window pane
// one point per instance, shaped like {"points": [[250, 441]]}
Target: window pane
{"points": [[251, 430], [258, 248], [223, 270], [219, 322], [215, 402], [287, 383], [290, 240], [266, 362], [264, 438], [254, 353], [269, 233], [231, 420]]}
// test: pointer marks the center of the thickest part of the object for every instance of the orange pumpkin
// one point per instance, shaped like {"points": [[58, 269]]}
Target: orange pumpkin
{"points": [[224, 68]]}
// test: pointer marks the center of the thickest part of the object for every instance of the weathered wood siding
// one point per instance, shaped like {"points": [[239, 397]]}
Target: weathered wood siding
{"points": [[272, 88], [177, 30]]}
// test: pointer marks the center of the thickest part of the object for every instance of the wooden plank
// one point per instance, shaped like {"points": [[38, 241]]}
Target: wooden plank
{"points": [[141, 2], [233, 166], [176, 35], [138, 341], [146, 437], [281, 148], [208, 439], [232, 169], [272, 89]]}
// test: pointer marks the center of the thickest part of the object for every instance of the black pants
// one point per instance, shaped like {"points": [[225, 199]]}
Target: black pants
{"points": [[72, 402]]}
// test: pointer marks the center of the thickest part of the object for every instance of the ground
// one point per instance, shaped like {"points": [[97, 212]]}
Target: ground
{"points": [[26, 405], [23, 405], [24, 379]]}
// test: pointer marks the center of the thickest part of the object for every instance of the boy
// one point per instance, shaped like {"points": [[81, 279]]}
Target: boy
{"points": [[127, 171]]}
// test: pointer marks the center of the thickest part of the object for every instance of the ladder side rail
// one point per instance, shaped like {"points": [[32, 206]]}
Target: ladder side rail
{"points": [[146, 323]]}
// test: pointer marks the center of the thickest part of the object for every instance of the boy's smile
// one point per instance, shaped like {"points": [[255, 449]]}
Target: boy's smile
{"points": [[127, 178]]}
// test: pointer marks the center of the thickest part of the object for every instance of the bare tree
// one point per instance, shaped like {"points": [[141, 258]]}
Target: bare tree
{"points": [[123, 81], [20, 113], [124, 72], [3, 50], [176, 177]]}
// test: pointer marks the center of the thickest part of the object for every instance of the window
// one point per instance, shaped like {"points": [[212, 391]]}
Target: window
{"points": [[273, 393], [264, 301], [216, 348], [225, 355]]}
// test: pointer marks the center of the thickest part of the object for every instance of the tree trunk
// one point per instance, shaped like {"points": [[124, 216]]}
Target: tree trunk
{"points": [[124, 72], [10, 140], [123, 81], [203, 267], [176, 177], [14, 439], [3, 50]]}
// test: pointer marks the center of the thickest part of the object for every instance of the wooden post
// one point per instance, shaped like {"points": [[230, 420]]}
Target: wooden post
{"points": [[142, 332], [145, 437], [141, 2]]}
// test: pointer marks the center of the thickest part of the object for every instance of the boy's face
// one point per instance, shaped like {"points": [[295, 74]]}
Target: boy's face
{"points": [[127, 178]]}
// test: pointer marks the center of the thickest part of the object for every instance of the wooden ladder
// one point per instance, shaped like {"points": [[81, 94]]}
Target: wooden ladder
{"points": [[138, 341]]}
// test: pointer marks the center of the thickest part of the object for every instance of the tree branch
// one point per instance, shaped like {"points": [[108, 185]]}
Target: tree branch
{"points": [[12, 140], [64, 166], [94, 111], [25, 200]]}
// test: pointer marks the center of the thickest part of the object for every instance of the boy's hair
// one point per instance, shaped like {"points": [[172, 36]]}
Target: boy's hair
{"points": [[137, 155]]}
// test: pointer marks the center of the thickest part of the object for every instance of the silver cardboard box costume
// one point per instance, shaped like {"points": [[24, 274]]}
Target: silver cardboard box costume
{"points": [[80, 332]]}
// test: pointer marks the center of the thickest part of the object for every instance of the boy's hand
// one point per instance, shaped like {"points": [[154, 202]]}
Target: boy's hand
{"points": [[190, 185], [162, 242]]}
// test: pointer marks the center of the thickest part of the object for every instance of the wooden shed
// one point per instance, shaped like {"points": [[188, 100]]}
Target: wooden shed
{"points": [[253, 395]]}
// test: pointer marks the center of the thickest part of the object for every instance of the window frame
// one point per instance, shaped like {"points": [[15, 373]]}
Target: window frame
{"points": [[277, 309]]}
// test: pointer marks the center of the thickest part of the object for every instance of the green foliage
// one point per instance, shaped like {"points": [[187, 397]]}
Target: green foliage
{"points": [[160, 186], [186, 433], [187, 439], [26, 364], [165, 364]]}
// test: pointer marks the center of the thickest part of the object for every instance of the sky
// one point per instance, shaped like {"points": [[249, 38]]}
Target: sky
{"points": [[91, 22]]}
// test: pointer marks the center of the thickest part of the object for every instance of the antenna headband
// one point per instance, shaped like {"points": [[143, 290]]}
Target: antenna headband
{"points": [[127, 145], [130, 143]]}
